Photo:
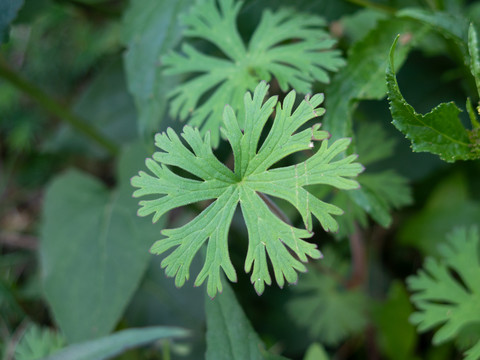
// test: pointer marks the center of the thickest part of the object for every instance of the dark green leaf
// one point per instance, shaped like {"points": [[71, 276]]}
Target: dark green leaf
{"points": [[150, 29], [439, 132], [397, 338], [364, 76], [94, 250], [115, 344]]}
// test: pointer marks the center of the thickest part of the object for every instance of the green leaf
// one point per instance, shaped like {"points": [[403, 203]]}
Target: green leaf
{"points": [[323, 305], [364, 77], [37, 343], [150, 29], [229, 333], [117, 343], [439, 132], [380, 191], [93, 249], [447, 292], [268, 234], [397, 338], [8, 12], [292, 47], [316, 352], [474, 57]]}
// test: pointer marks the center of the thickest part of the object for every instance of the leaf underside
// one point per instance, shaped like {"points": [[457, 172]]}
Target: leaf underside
{"points": [[269, 236], [292, 47]]}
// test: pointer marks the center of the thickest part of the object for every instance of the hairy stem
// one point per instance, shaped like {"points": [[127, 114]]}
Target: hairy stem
{"points": [[55, 108]]}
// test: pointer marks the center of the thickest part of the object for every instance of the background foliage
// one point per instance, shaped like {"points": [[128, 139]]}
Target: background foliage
{"points": [[86, 84]]}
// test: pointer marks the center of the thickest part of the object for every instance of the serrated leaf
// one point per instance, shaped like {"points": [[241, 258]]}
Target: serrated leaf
{"points": [[439, 132], [150, 29], [268, 234], [292, 47], [441, 298], [325, 307], [93, 250], [474, 57], [364, 78], [116, 343]]}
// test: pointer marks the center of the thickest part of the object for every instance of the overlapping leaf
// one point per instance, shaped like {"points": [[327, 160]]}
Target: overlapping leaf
{"points": [[381, 191], [290, 46], [268, 235], [443, 299]]}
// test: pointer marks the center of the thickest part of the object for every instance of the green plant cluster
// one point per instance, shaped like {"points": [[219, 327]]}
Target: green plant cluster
{"points": [[313, 164]]}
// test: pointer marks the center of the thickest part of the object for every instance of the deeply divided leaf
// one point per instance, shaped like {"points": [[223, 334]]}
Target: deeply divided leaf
{"points": [[292, 47], [447, 292], [269, 236]]}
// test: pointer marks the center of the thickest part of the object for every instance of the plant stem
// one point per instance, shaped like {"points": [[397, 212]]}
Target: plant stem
{"points": [[359, 259], [372, 5], [56, 108]]}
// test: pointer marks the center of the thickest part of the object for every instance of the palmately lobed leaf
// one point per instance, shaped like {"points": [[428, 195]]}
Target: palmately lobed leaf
{"points": [[292, 47], [442, 299], [269, 237]]}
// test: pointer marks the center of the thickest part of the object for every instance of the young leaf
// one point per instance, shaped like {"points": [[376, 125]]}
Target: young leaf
{"points": [[268, 235], [290, 46], [447, 292], [439, 132]]}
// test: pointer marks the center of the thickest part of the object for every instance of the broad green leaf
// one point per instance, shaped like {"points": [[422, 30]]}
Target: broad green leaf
{"points": [[439, 132], [150, 29], [93, 250], [397, 338], [37, 343], [292, 47], [316, 352], [267, 233], [8, 12], [323, 305], [364, 77], [447, 292], [229, 333], [116, 343]]}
